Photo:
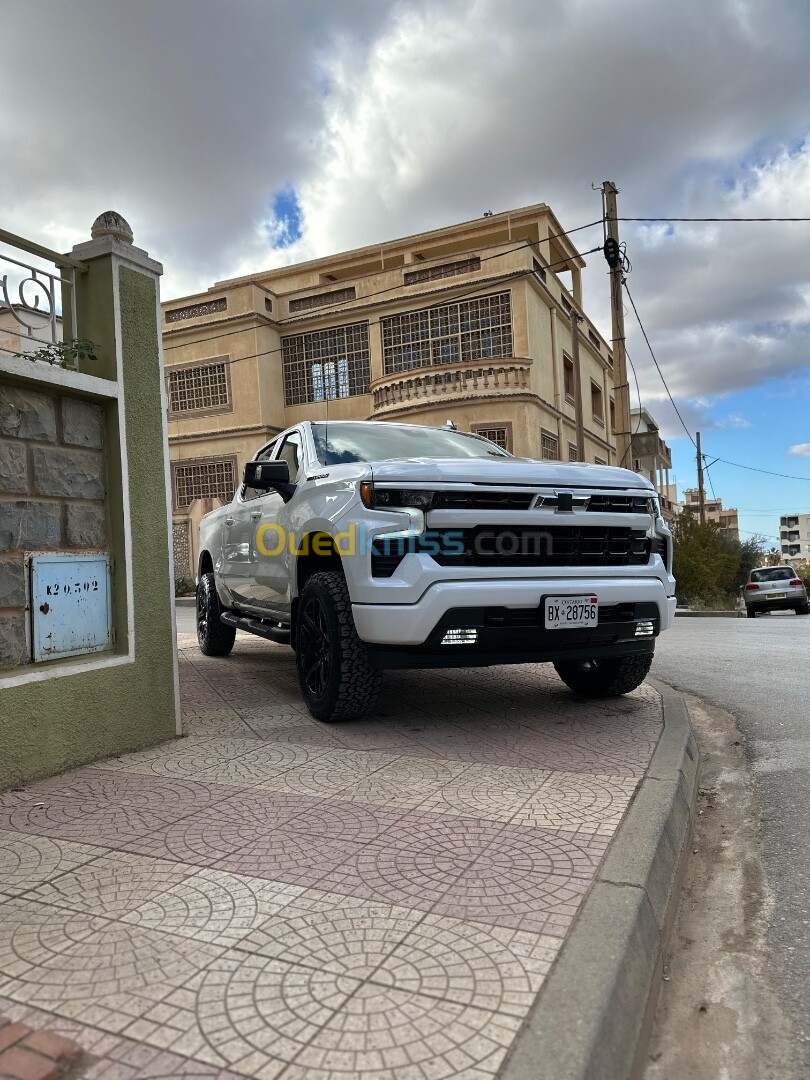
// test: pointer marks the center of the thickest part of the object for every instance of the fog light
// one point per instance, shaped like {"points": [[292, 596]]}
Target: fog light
{"points": [[645, 629], [460, 637]]}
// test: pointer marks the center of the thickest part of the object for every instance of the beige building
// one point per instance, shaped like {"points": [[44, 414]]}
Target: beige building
{"points": [[794, 536], [470, 323], [652, 458], [726, 518]]}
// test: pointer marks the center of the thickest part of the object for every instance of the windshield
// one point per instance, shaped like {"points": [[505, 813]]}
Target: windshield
{"points": [[773, 573], [338, 444]]}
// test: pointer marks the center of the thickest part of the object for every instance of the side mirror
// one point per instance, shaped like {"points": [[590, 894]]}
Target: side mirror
{"points": [[268, 475]]}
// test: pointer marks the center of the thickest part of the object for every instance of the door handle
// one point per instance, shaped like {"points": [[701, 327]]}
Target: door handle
{"points": [[229, 521], [255, 515]]}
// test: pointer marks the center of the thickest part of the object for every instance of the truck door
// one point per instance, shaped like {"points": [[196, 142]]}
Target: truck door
{"points": [[270, 551]]}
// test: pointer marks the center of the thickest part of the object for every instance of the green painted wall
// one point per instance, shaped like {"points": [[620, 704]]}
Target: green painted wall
{"points": [[56, 724]]}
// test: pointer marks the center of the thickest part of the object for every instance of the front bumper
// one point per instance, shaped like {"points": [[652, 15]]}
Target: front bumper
{"points": [[408, 625]]}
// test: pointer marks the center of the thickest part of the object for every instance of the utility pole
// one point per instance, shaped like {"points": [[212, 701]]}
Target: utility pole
{"points": [[620, 383], [701, 493], [575, 319]]}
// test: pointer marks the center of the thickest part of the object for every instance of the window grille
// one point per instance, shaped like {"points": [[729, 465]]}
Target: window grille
{"points": [[203, 480], [497, 435], [196, 311], [202, 386], [573, 454], [444, 335], [599, 461], [431, 273], [326, 364], [337, 296], [549, 446]]}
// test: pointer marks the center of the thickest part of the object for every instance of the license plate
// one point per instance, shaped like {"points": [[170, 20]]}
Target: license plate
{"points": [[570, 612], [777, 596]]}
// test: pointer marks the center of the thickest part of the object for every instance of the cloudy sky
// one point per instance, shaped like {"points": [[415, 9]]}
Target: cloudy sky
{"points": [[238, 136]]}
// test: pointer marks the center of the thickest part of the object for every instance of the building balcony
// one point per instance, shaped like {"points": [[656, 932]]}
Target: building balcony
{"points": [[450, 383], [651, 450]]}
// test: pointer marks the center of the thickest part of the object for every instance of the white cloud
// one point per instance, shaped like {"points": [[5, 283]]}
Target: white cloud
{"points": [[800, 449]]}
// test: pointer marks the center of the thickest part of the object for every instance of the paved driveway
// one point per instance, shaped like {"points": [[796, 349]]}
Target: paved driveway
{"points": [[271, 895]]}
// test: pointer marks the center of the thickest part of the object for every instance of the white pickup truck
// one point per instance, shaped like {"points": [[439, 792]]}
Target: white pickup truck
{"points": [[370, 545]]}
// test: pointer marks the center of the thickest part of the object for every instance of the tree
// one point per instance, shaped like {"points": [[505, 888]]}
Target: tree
{"points": [[707, 562], [752, 554]]}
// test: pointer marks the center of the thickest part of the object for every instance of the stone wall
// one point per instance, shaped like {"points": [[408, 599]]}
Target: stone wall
{"points": [[52, 493], [182, 550]]}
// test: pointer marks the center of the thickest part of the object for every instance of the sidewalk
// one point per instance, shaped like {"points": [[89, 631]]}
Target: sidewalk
{"points": [[273, 896]]}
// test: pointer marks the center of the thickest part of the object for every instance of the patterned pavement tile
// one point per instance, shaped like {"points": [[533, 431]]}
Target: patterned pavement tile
{"points": [[213, 906], [406, 782], [113, 884], [95, 970], [249, 1013], [486, 791], [187, 758], [263, 765], [292, 857], [576, 801], [27, 861], [329, 775], [488, 967], [384, 1033], [334, 933], [530, 879]]}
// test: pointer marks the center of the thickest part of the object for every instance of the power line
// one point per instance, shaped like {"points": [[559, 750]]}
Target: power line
{"points": [[721, 219], [655, 361], [768, 472], [531, 244]]}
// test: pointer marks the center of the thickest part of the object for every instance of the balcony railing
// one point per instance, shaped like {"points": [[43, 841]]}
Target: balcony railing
{"points": [[649, 445], [447, 382], [32, 296]]}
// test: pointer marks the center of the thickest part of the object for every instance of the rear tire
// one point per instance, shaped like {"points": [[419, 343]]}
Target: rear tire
{"points": [[803, 609], [751, 613], [337, 679], [213, 636], [611, 677]]}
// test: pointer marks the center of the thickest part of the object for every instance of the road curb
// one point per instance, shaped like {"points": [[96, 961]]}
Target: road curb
{"points": [[592, 1018], [687, 614], [185, 601]]}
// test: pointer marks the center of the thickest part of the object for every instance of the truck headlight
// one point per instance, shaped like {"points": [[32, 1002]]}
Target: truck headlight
{"points": [[376, 498]]}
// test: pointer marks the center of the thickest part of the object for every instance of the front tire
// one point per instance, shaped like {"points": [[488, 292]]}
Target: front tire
{"points": [[214, 637], [337, 679], [607, 678]]}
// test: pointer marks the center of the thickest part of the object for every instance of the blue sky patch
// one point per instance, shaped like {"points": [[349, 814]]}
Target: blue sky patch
{"points": [[285, 226]]}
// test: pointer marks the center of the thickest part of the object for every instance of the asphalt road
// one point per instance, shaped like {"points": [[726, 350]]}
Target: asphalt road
{"points": [[758, 671]]}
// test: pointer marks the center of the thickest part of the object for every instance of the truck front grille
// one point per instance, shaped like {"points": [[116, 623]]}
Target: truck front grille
{"points": [[554, 545]]}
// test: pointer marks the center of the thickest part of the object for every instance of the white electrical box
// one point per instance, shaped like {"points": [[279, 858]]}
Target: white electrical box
{"points": [[71, 609]]}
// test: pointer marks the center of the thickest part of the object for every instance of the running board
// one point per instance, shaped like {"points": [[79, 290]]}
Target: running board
{"points": [[280, 634]]}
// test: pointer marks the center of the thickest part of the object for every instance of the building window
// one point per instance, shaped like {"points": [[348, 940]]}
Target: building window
{"points": [[337, 296], [199, 388], [431, 273], [203, 480], [595, 341], [326, 364], [573, 454], [549, 446], [539, 270], [612, 415], [566, 303], [597, 408], [568, 379], [471, 330], [599, 461], [500, 434]]}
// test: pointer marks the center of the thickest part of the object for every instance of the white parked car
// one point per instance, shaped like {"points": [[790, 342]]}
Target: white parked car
{"points": [[370, 545], [774, 588]]}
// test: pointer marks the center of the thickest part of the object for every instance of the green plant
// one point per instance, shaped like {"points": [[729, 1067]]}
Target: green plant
{"points": [[66, 354], [184, 586], [707, 563]]}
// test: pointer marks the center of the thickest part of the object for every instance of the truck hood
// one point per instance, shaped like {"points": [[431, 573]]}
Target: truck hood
{"points": [[510, 471]]}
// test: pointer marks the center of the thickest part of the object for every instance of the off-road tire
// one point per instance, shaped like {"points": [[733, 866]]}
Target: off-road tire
{"points": [[215, 638], [611, 677], [346, 684]]}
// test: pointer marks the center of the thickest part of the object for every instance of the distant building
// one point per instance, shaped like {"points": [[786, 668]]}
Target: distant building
{"points": [[16, 322], [794, 535], [652, 458], [727, 518]]}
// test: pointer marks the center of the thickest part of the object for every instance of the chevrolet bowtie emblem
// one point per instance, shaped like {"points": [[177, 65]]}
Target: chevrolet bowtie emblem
{"points": [[565, 502]]}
